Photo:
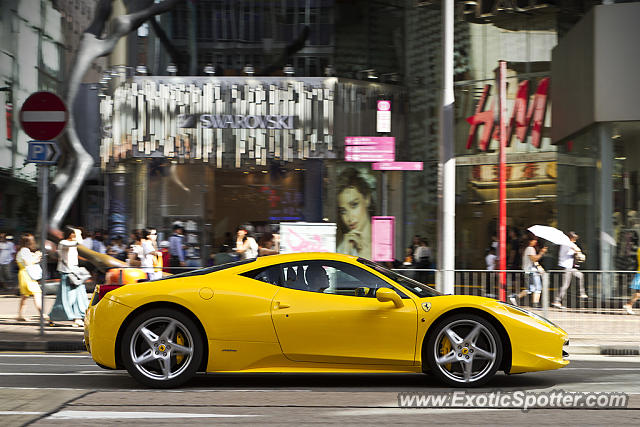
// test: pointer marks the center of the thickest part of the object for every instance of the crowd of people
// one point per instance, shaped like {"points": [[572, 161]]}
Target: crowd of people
{"points": [[19, 263]]}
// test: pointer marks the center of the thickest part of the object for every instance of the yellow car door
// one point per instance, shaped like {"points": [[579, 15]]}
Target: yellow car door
{"points": [[331, 324]]}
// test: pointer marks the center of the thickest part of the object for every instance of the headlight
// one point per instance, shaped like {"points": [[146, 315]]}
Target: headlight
{"points": [[529, 313]]}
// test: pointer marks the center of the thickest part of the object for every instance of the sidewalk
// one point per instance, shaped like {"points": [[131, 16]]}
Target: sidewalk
{"points": [[25, 336], [589, 333]]}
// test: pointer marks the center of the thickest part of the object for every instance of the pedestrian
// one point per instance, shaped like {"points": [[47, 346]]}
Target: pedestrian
{"points": [[134, 253], [490, 259], [117, 249], [635, 283], [166, 256], [246, 245], [514, 250], [176, 249], [269, 244], [27, 259], [71, 300], [98, 243], [7, 254], [87, 241], [422, 259], [152, 257], [224, 255], [569, 258], [533, 273]]}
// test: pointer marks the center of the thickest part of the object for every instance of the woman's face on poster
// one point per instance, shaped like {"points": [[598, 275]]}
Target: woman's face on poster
{"points": [[353, 208]]}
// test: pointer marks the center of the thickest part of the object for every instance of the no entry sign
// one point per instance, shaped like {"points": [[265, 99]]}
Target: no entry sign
{"points": [[43, 115]]}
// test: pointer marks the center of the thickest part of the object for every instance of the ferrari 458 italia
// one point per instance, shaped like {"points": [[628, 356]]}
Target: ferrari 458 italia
{"points": [[311, 312]]}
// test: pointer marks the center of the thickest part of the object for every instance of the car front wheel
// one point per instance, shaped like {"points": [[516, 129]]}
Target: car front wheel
{"points": [[464, 350], [162, 348]]}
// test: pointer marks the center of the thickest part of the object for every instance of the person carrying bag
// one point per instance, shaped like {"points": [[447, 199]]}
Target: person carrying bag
{"points": [[71, 297]]}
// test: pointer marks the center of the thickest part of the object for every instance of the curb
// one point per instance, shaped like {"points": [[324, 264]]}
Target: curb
{"points": [[605, 350], [67, 346]]}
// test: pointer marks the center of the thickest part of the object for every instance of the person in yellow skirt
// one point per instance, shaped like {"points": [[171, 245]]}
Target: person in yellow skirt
{"points": [[26, 256]]}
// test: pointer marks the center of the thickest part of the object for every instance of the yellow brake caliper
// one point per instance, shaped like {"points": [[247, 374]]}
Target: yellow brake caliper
{"points": [[445, 348], [179, 341]]}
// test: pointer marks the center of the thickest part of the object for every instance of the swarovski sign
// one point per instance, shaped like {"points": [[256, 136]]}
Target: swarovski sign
{"points": [[236, 121]]}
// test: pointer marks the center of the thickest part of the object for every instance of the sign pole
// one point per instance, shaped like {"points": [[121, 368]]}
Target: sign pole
{"points": [[43, 190], [502, 186], [447, 160]]}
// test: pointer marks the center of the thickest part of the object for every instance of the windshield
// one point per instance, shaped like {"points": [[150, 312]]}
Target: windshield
{"points": [[420, 289]]}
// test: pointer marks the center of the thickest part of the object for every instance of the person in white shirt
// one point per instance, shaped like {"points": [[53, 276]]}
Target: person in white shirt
{"points": [[246, 246], [533, 273], [149, 254], [71, 300], [568, 257], [490, 259]]}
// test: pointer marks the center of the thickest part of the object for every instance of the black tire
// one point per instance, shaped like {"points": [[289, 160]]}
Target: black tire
{"points": [[470, 362], [166, 362]]}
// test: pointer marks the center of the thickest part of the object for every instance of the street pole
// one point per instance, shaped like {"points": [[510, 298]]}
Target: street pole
{"points": [[43, 191], [447, 161], [502, 179], [385, 195]]}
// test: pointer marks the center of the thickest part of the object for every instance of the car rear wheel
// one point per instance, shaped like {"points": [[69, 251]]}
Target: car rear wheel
{"points": [[162, 348], [464, 350]]}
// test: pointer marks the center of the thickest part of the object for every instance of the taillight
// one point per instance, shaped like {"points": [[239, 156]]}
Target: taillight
{"points": [[101, 291]]}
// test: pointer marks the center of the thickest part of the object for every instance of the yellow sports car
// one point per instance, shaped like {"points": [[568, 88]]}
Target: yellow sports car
{"points": [[311, 312]]}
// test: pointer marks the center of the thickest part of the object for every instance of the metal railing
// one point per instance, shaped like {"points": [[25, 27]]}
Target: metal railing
{"points": [[600, 314]]}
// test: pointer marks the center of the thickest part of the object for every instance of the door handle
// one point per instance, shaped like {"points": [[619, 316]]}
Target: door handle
{"points": [[279, 305]]}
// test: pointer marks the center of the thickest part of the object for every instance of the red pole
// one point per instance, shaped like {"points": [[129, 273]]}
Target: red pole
{"points": [[502, 186]]}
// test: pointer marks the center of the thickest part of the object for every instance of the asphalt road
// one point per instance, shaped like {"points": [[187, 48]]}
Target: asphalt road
{"points": [[68, 389]]}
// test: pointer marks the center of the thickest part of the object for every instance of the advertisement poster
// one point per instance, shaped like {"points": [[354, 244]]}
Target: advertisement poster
{"points": [[356, 203], [382, 238], [296, 237]]}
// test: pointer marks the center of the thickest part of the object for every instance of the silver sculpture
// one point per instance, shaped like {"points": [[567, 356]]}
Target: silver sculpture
{"points": [[71, 176], [69, 179]]}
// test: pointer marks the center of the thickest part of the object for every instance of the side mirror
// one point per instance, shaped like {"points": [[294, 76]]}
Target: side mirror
{"points": [[386, 294], [363, 292]]}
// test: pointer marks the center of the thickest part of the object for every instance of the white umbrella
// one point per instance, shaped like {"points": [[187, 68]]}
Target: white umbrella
{"points": [[551, 234]]}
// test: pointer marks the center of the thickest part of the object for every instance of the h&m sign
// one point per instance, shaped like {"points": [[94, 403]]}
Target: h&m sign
{"points": [[525, 116]]}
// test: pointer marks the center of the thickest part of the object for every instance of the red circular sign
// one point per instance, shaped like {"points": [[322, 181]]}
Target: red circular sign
{"points": [[43, 116]]}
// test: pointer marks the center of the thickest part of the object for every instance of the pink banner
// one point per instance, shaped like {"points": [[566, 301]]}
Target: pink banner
{"points": [[382, 238], [369, 140], [369, 149], [397, 166]]}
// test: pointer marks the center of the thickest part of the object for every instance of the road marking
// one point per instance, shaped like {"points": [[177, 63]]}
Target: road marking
{"points": [[416, 411], [601, 369], [46, 355], [102, 415], [21, 413], [46, 364], [62, 374]]}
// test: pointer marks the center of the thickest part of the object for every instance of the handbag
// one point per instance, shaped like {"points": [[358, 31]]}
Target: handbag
{"points": [[78, 276], [34, 271]]}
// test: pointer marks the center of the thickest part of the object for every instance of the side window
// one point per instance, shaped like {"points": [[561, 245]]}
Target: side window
{"points": [[332, 277], [269, 275]]}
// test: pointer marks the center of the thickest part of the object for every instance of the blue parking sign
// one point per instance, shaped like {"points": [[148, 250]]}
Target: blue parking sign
{"points": [[43, 152]]}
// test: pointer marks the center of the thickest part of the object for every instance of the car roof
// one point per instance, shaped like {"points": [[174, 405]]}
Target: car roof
{"points": [[239, 267]]}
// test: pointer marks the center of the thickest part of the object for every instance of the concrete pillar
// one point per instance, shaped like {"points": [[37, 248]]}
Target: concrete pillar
{"points": [[141, 187], [605, 190]]}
